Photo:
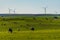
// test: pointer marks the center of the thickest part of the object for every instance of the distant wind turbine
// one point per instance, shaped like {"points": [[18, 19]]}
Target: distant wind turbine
{"points": [[9, 10], [45, 10], [14, 11], [56, 13]]}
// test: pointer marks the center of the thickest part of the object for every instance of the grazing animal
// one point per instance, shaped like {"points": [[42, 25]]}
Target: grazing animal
{"points": [[10, 30], [32, 29]]}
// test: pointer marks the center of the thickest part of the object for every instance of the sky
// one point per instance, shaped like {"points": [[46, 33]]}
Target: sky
{"points": [[30, 6]]}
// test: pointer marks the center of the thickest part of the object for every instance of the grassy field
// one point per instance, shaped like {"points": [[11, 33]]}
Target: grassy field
{"points": [[31, 35], [45, 28]]}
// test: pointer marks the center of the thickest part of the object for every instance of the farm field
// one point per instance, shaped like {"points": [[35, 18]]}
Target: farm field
{"points": [[44, 27], [31, 35]]}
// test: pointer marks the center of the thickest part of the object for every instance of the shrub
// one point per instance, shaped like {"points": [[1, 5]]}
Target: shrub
{"points": [[34, 18], [18, 29], [46, 18], [55, 17], [15, 22]]}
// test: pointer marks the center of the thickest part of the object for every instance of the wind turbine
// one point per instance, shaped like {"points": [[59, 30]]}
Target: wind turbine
{"points": [[56, 13], [9, 10], [45, 9], [14, 11]]}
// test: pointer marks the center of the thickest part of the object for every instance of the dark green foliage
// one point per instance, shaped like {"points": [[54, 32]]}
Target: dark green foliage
{"points": [[18, 29], [46, 18], [55, 17], [15, 22], [2, 16], [4, 24], [34, 18], [27, 24]]}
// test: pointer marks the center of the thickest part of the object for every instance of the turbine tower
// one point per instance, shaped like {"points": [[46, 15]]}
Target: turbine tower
{"points": [[45, 10], [56, 13], [14, 11], [9, 10]]}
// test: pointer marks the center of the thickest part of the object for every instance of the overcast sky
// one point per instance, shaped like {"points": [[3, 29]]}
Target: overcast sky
{"points": [[30, 6]]}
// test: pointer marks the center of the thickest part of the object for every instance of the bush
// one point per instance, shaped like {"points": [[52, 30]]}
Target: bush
{"points": [[46, 18], [34, 18], [15, 22], [55, 17], [18, 29]]}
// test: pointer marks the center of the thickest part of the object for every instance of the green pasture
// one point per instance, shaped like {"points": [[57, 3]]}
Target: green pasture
{"points": [[45, 27], [31, 35]]}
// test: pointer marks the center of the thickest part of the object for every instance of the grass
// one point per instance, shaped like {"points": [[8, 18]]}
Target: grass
{"points": [[45, 28], [31, 35]]}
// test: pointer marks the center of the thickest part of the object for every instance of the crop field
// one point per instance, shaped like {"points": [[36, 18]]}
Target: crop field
{"points": [[29, 27]]}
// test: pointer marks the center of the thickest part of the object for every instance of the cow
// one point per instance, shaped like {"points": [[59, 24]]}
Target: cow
{"points": [[32, 29], [10, 30]]}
